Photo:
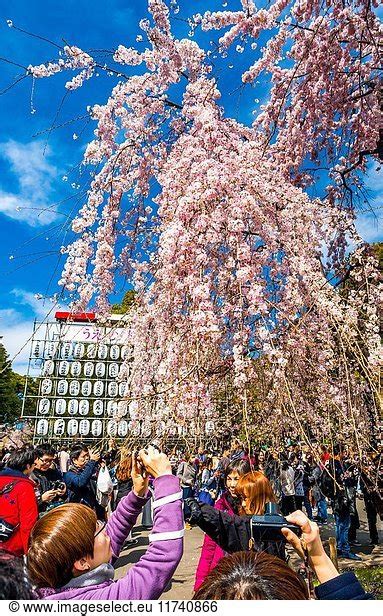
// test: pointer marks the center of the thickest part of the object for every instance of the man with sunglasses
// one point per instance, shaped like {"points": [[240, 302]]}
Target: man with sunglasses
{"points": [[51, 489]]}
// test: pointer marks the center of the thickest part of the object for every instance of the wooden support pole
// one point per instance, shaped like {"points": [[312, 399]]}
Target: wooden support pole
{"points": [[333, 552]]}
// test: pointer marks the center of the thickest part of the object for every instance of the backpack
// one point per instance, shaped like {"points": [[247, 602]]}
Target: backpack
{"points": [[327, 485], [6, 529]]}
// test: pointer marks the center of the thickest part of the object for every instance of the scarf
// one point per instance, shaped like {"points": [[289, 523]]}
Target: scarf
{"points": [[101, 574]]}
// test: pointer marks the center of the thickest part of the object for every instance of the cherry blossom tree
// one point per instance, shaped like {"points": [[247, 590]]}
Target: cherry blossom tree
{"points": [[220, 237]]}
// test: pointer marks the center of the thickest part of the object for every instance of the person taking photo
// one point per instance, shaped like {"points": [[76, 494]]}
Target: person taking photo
{"points": [[67, 564]]}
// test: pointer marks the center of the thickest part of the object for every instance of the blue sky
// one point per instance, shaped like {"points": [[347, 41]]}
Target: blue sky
{"points": [[36, 204]]}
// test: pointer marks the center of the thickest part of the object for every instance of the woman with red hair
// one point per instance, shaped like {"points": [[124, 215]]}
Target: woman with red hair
{"points": [[233, 532], [255, 491]]}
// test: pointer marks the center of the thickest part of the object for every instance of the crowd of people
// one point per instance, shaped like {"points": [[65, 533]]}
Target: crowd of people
{"points": [[46, 497], [299, 477]]}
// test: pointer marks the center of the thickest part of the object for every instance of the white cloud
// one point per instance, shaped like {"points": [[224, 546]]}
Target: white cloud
{"points": [[16, 337], [9, 315], [374, 177], [369, 223], [35, 177], [16, 328], [39, 308]]}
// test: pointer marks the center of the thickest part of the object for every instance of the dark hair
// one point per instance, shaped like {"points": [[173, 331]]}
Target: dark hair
{"points": [[45, 449], [338, 449], [239, 466], [110, 457], [252, 575], [20, 459], [208, 462], [55, 544], [77, 449], [14, 582]]}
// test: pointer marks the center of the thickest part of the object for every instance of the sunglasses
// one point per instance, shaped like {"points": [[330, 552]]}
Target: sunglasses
{"points": [[100, 525]]}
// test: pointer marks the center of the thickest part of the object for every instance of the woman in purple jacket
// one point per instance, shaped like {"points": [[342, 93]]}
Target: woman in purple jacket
{"points": [[70, 551]]}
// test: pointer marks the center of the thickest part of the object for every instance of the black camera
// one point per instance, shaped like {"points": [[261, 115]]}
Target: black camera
{"points": [[59, 485], [267, 527]]}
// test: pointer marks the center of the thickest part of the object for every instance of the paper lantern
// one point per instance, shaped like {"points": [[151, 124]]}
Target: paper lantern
{"points": [[60, 406], [72, 426], [86, 388], [62, 388], [42, 427], [98, 407], [79, 350], [44, 406], [46, 387], [83, 407], [73, 407], [98, 388], [74, 388], [97, 427]]}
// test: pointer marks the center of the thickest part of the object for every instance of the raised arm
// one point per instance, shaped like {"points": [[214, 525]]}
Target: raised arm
{"points": [[230, 532], [148, 578], [123, 519]]}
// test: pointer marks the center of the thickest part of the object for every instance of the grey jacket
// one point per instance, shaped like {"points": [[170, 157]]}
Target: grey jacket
{"points": [[187, 474]]}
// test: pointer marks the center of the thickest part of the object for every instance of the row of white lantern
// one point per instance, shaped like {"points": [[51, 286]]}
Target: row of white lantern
{"points": [[74, 368], [61, 406], [99, 388], [79, 350], [86, 388], [82, 427]]}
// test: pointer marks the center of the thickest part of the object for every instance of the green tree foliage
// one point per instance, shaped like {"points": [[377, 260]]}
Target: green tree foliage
{"points": [[126, 304], [32, 390], [377, 249], [12, 388], [10, 402]]}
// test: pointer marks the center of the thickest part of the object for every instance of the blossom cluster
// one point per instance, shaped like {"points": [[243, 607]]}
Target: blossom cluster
{"points": [[76, 59]]}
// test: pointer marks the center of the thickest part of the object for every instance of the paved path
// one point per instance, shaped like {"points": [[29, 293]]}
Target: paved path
{"points": [[182, 583]]}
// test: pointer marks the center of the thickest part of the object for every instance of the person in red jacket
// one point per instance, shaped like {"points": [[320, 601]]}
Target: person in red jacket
{"points": [[18, 503]]}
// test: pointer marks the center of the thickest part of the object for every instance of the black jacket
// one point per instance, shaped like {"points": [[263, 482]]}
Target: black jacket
{"points": [[342, 492], [373, 491], [231, 532], [345, 586], [45, 481], [124, 487]]}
